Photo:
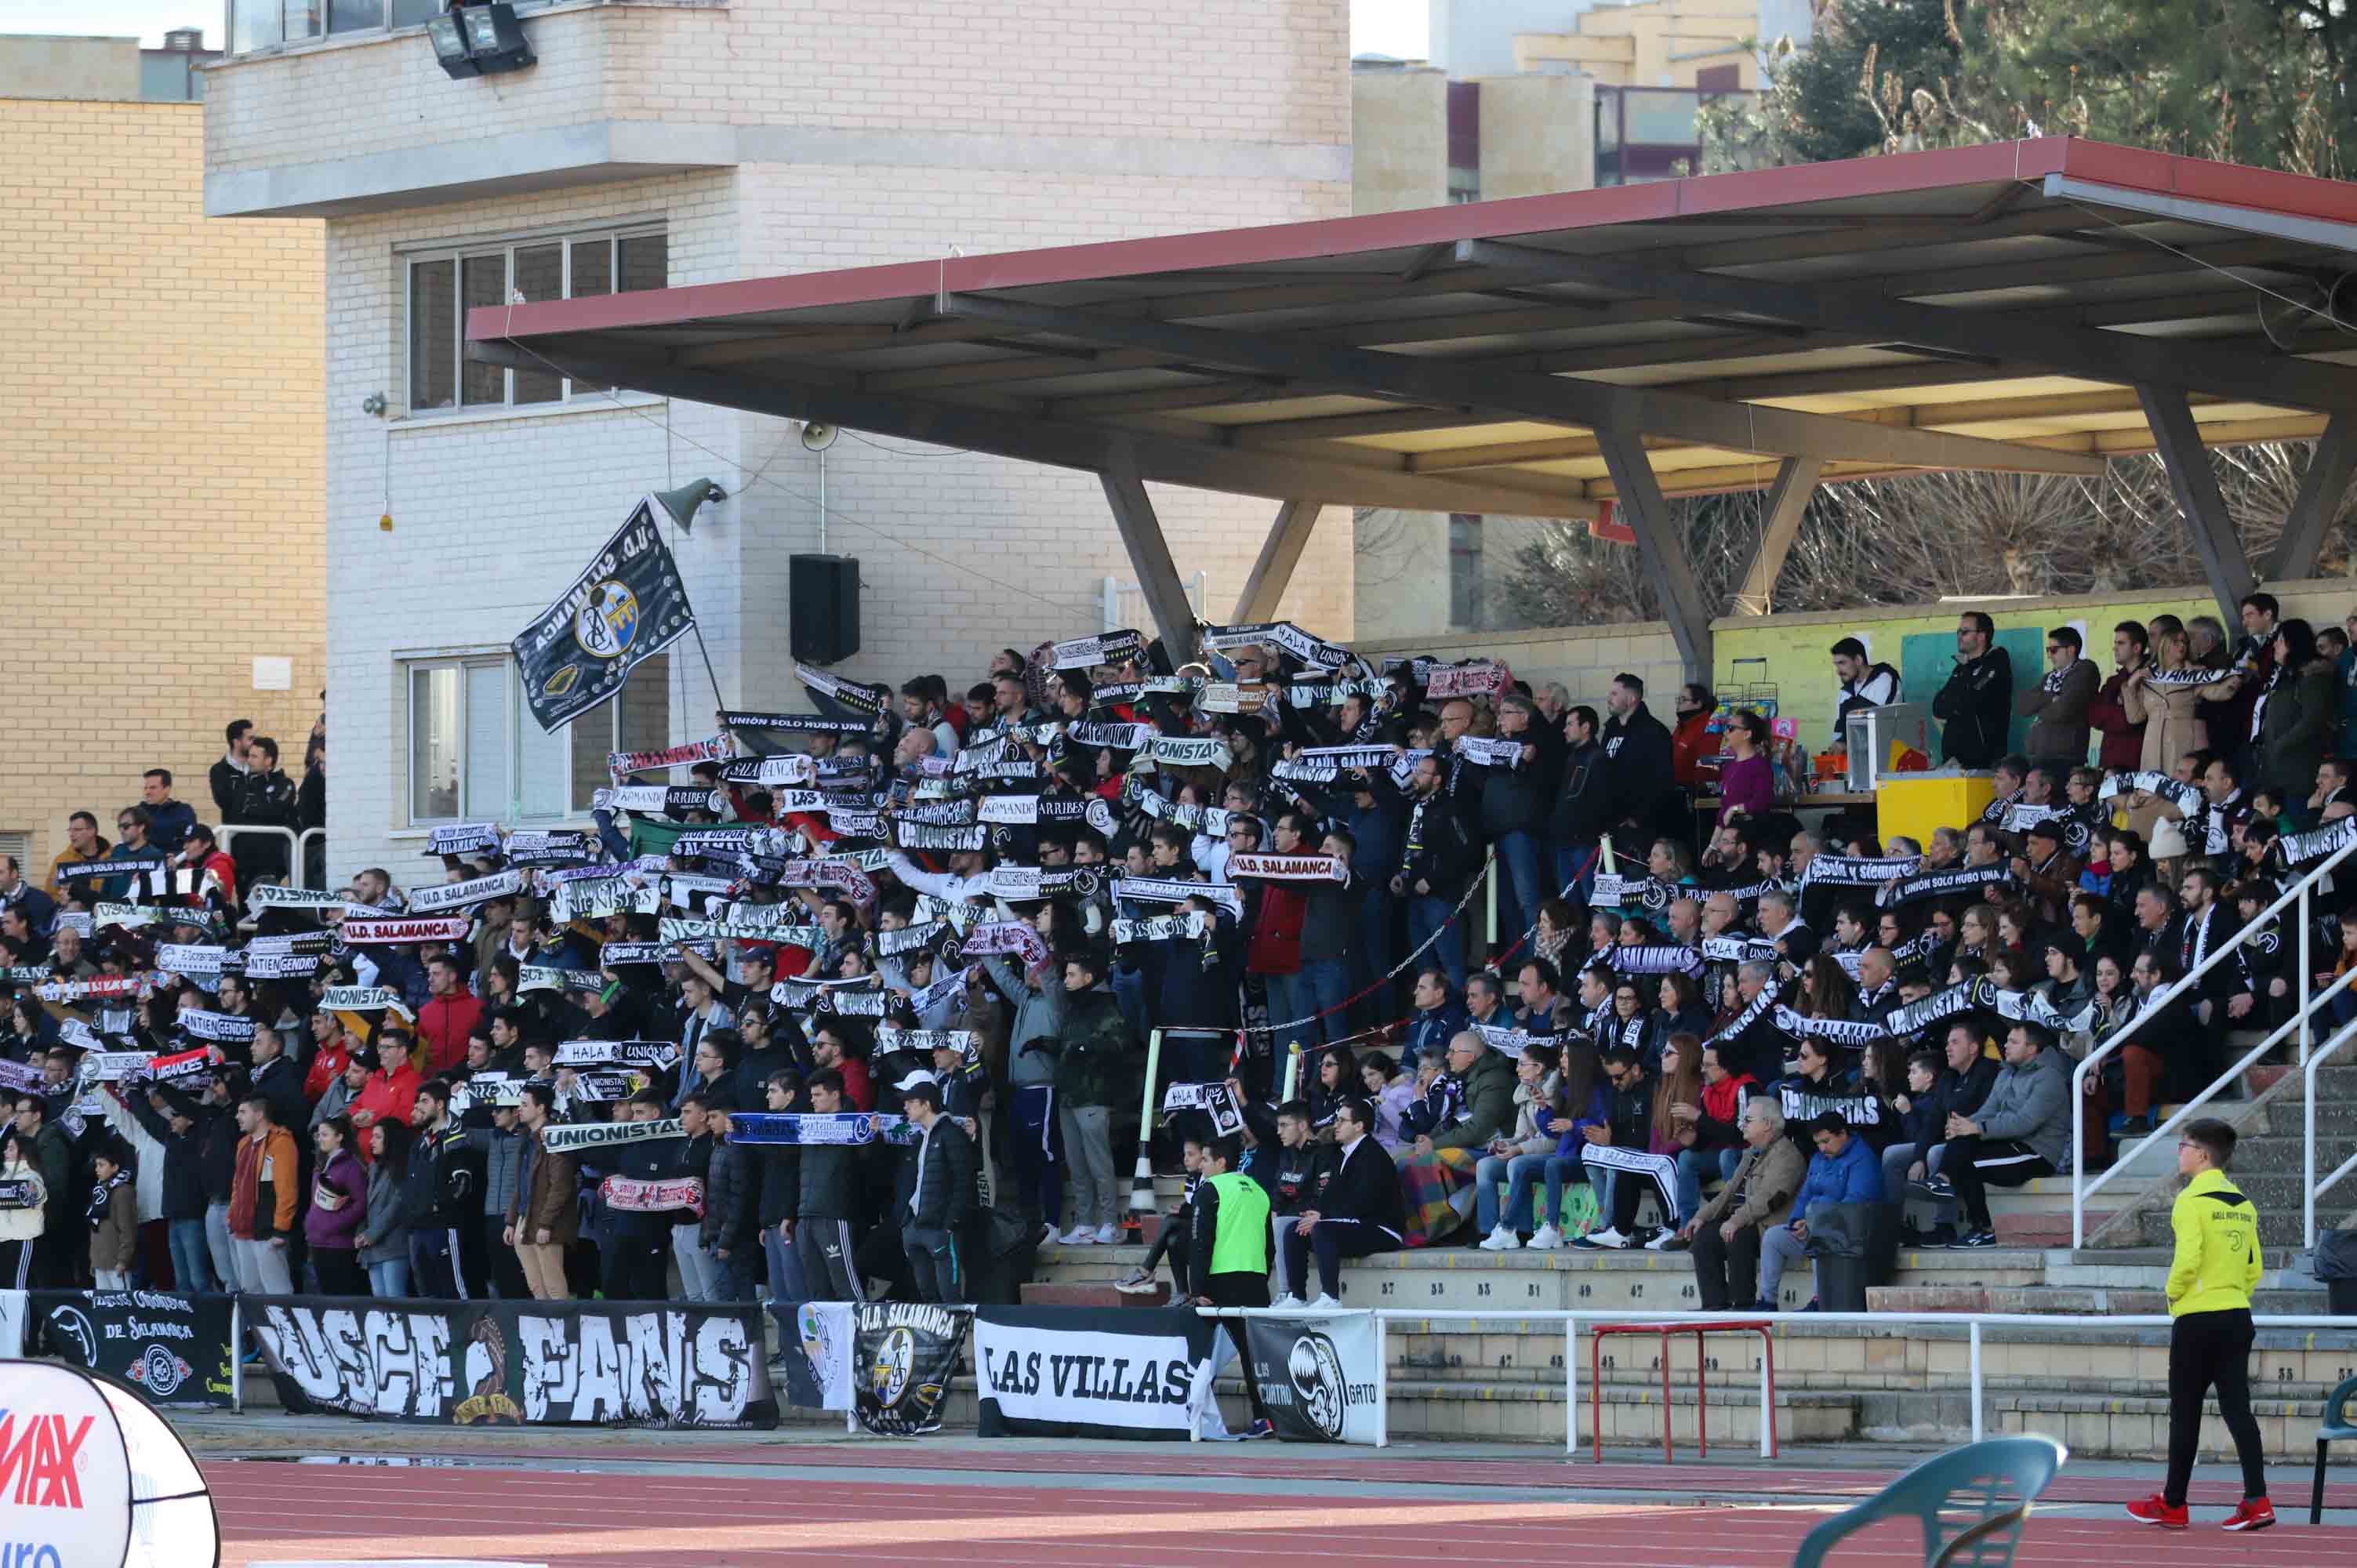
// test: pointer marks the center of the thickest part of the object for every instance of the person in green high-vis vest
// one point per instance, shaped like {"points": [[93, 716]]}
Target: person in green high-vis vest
{"points": [[1229, 1226]]}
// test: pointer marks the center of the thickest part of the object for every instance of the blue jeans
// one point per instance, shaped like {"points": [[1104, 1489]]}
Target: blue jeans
{"points": [[1288, 999], [1370, 955], [192, 1261], [1326, 984], [1520, 1173], [1129, 996], [1691, 1163], [1518, 859], [736, 1274], [1427, 915], [1568, 859], [389, 1279], [786, 1289]]}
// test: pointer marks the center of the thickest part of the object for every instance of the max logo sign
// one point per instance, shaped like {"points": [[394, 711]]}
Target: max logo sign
{"points": [[38, 1460]]}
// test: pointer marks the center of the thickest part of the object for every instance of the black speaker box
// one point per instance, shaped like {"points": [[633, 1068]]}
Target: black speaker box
{"points": [[825, 629]]}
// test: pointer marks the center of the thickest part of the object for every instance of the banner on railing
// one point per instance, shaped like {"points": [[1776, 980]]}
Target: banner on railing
{"points": [[517, 1363], [173, 1348], [1080, 1371], [906, 1353], [1317, 1376]]}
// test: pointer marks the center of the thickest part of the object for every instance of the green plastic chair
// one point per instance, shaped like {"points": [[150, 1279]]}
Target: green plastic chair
{"points": [[1984, 1487], [2334, 1428]]}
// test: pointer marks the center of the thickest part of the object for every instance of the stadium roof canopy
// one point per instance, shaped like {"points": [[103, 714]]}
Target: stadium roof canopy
{"points": [[2030, 306]]}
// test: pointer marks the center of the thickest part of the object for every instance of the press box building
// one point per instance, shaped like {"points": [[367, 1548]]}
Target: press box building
{"points": [[655, 142]]}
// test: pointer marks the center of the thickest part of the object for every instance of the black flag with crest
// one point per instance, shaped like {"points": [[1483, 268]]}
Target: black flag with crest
{"points": [[628, 605]]}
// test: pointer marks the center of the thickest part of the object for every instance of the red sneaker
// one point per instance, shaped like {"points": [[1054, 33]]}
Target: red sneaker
{"points": [[2253, 1513], [2153, 1511]]}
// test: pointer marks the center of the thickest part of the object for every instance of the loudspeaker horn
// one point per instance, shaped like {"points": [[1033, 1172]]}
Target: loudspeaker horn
{"points": [[682, 502], [818, 435]]}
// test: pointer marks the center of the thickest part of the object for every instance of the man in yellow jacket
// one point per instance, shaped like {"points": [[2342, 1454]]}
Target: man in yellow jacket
{"points": [[2210, 1283]]}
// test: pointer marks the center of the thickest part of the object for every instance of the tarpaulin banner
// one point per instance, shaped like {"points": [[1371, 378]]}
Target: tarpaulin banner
{"points": [[174, 1349], [906, 1355], [626, 606], [432, 929], [1084, 1371], [514, 1363], [1317, 1375]]}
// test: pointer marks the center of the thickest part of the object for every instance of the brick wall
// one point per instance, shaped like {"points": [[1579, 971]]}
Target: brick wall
{"points": [[162, 447]]}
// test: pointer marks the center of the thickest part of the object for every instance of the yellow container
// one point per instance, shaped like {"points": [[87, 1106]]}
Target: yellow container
{"points": [[1912, 805]]}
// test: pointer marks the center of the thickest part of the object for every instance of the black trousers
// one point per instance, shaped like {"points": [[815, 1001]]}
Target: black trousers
{"points": [[1333, 1241], [2209, 1350], [339, 1271], [1240, 1289], [1726, 1273], [636, 1261], [935, 1264], [1171, 1243], [506, 1271], [1973, 1165]]}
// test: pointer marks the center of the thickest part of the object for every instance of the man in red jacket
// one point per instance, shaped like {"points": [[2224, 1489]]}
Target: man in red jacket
{"points": [[449, 1016], [391, 1094]]}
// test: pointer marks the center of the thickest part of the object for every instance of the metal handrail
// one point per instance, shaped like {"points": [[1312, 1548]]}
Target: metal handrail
{"points": [[2081, 1187], [301, 869], [1973, 1323], [2312, 1188]]}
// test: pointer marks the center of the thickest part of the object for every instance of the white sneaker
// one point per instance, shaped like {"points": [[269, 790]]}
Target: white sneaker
{"points": [[1662, 1242], [1606, 1238], [1501, 1240], [1137, 1281], [1109, 1234], [1325, 1303], [1287, 1302], [1545, 1238], [1049, 1235], [1079, 1236]]}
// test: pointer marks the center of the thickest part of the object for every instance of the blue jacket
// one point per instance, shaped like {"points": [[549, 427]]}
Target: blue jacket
{"points": [[1428, 1034], [168, 824], [1571, 1133], [1854, 1175]]}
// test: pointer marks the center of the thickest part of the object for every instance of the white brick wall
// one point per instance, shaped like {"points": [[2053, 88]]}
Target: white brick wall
{"points": [[493, 516]]}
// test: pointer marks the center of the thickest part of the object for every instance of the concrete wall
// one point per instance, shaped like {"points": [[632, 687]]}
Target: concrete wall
{"points": [[1399, 140], [851, 138], [1795, 646], [104, 70], [1538, 134], [1655, 43], [164, 461]]}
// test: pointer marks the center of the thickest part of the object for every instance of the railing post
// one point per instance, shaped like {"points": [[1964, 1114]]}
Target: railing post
{"points": [[2307, 1032], [1975, 1327], [2308, 1156], [237, 1355], [1383, 1384], [1571, 1388]]}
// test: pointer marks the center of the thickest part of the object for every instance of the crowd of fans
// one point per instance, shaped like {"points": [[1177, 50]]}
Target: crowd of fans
{"points": [[973, 908]]}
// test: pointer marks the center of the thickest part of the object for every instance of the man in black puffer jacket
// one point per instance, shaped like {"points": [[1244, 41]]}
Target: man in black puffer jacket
{"points": [[732, 1215], [637, 1255], [936, 1193]]}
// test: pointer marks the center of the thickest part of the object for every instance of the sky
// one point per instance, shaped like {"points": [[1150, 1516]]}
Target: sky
{"points": [[1377, 27]]}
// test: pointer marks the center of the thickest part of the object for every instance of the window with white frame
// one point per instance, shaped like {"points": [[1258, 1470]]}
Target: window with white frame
{"points": [[444, 285], [475, 753], [267, 24]]}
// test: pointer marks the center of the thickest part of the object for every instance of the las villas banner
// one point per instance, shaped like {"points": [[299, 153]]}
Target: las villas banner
{"points": [[1079, 1372]]}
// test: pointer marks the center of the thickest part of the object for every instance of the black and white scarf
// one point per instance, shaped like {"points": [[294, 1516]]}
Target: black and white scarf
{"points": [[101, 1195]]}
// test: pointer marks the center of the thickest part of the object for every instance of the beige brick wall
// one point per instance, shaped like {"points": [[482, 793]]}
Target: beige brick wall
{"points": [[162, 445]]}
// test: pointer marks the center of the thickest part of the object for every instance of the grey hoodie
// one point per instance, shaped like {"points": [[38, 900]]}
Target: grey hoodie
{"points": [[2031, 1105], [1037, 1012]]}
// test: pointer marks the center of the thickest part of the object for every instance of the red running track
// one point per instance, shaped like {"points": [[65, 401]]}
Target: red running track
{"points": [[279, 1512]]}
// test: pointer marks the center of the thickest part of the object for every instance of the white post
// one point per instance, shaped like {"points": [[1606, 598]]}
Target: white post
{"points": [[1767, 1405], [1383, 1384], [1109, 599], [237, 1355], [1571, 1388], [1292, 1072], [2306, 1033], [1975, 1328]]}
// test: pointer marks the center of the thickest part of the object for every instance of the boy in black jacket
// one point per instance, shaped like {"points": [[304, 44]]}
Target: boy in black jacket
{"points": [[1295, 1179], [1359, 1212], [935, 1194], [824, 1200], [732, 1221]]}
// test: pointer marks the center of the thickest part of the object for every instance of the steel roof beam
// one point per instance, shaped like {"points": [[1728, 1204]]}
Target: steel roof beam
{"points": [[1280, 553], [1523, 395], [2318, 502], [1149, 552], [2195, 483], [1163, 459], [1796, 481], [1661, 548], [2081, 352]]}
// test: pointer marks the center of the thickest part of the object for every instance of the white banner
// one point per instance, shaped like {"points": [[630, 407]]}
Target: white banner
{"points": [[1139, 1372]]}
